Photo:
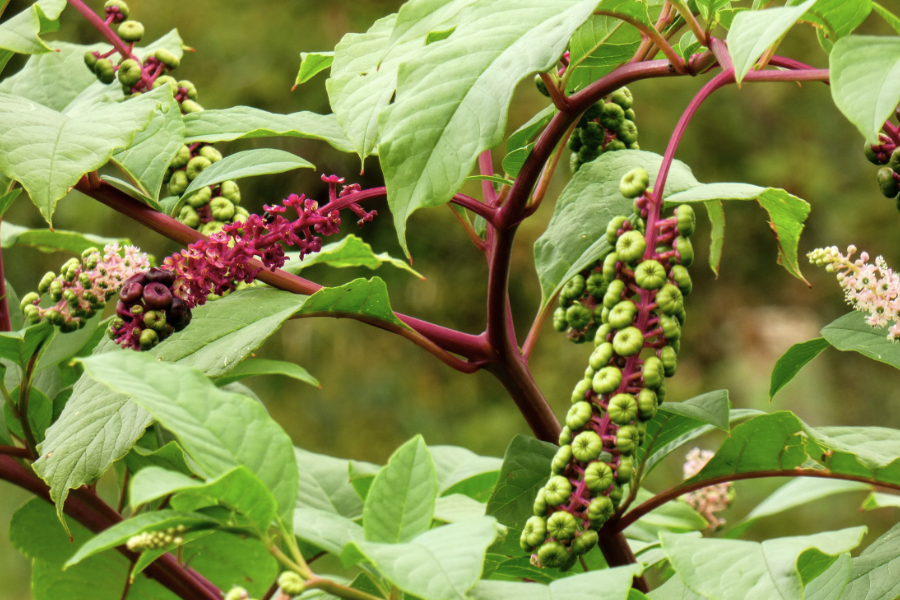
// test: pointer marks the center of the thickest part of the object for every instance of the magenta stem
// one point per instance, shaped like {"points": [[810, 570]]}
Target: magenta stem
{"points": [[104, 29]]}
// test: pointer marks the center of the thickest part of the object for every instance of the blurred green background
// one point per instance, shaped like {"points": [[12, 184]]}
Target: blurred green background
{"points": [[378, 390]]}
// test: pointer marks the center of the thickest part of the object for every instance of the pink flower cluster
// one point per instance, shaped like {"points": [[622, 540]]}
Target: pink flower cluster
{"points": [[217, 265], [870, 288], [708, 500]]}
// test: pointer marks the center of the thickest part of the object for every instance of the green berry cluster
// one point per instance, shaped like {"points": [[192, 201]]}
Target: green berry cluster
{"points": [[886, 153], [210, 208], [606, 126], [157, 540], [633, 306]]}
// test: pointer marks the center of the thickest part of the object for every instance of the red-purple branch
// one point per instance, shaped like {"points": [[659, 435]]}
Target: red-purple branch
{"points": [[104, 29]]}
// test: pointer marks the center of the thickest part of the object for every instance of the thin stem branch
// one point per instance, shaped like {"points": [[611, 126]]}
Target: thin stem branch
{"points": [[104, 29], [15, 451], [558, 97], [651, 32], [547, 174], [692, 23], [24, 397], [486, 168], [681, 489], [470, 231], [336, 589]]}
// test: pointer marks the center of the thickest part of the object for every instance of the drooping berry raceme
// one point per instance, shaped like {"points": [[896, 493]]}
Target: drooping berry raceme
{"points": [[83, 286], [709, 500], [631, 305], [868, 288], [155, 304]]}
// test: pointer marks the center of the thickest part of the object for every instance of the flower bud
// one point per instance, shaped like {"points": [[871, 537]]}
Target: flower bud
{"points": [[131, 31]]}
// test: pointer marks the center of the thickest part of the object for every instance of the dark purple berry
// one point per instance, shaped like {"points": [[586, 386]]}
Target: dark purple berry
{"points": [[123, 311], [163, 276], [177, 312], [131, 292], [157, 296], [136, 278]]}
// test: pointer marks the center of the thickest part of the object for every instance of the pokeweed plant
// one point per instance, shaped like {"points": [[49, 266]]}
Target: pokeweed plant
{"points": [[216, 502]]}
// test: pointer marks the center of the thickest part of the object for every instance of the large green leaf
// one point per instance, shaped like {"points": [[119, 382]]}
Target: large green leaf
{"points": [[229, 560], [851, 332], [520, 143], [40, 413], [364, 299], [874, 572], [461, 471], [326, 530], [440, 564], [226, 331], [400, 503], [248, 163], [56, 78], [38, 535], [417, 18], [864, 80], [20, 346], [777, 568], [608, 584], [244, 122], [752, 32], [452, 97], [526, 467], [170, 457], [830, 584], [325, 485], [52, 240], [575, 237], [218, 429], [349, 252], [264, 366], [790, 363], [148, 158], [237, 489], [837, 18], [21, 33], [312, 63], [888, 16], [787, 213], [457, 507], [48, 152]]}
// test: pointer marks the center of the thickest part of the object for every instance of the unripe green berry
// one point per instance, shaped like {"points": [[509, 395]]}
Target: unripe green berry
{"points": [[561, 460], [627, 132], [594, 111], [609, 266], [575, 141], [681, 315], [580, 391], [200, 198], [627, 439], [557, 490], [240, 214], [603, 314], [685, 251], [894, 161], [587, 446], [540, 504], [630, 246], [561, 525], [105, 71], [166, 80], [622, 314], [629, 114], [592, 135], [607, 380], [171, 61], [55, 290], [887, 183], [669, 299], [598, 476], [155, 320], [871, 155], [189, 216], [682, 279], [553, 554], [596, 285], [212, 227], [642, 431], [616, 145], [130, 73], [661, 393], [614, 293], [237, 593], [669, 359], [579, 415], [148, 339], [565, 436], [291, 583], [578, 315], [181, 157], [541, 86], [574, 288], [585, 542], [622, 97], [178, 183], [652, 372], [534, 533], [120, 4], [686, 220], [670, 327], [622, 409], [32, 314], [613, 116], [90, 60], [625, 470], [650, 275], [647, 404], [190, 106], [46, 280], [588, 153], [560, 323], [231, 191], [601, 355], [210, 153], [600, 510], [196, 166], [29, 300], [612, 229], [634, 183], [131, 31], [602, 333], [628, 341], [615, 494], [189, 88]]}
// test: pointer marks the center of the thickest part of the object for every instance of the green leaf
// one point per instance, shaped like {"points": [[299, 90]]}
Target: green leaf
{"points": [[20, 34], [519, 143], [874, 572], [437, 36], [229, 560], [20, 346], [263, 366], [851, 332], [40, 413], [462, 88], [349, 252], [864, 85], [716, 213], [796, 492], [709, 8], [830, 584], [326, 530], [226, 331], [461, 471], [312, 63], [790, 363], [753, 32], [526, 467], [324, 485], [887, 15], [439, 564], [676, 516], [576, 235], [420, 17], [767, 570], [674, 589], [38, 535], [237, 489], [119, 533], [366, 300], [786, 211], [608, 584], [145, 162], [362, 474], [711, 407], [877, 500], [837, 18], [457, 507], [6, 201], [400, 504], [130, 190], [218, 429], [248, 163], [52, 240], [170, 457], [244, 122], [599, 46], [48, 152]]}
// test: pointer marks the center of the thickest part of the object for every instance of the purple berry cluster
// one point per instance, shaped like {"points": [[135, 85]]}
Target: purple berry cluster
{"points": [[148, 311]]}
